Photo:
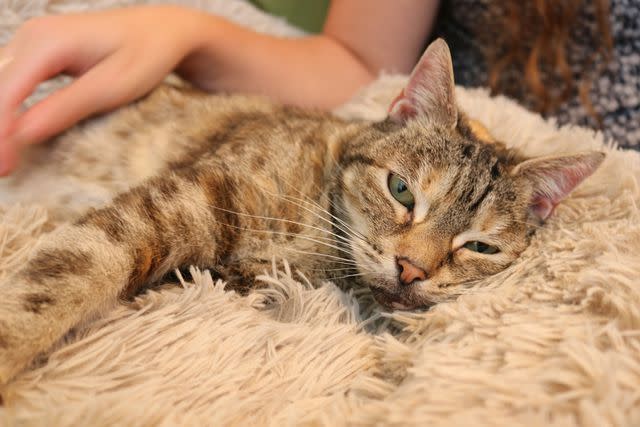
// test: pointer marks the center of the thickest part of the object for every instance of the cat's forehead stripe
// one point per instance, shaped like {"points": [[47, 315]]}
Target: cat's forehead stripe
{"points": [[483, 195]]}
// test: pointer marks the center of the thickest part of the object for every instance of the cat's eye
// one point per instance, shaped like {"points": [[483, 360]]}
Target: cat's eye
{"points": [[481, 248], [400, 191]]}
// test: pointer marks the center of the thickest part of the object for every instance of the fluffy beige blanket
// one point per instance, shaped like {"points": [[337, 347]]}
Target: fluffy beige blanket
{"points": [[554, 340]]}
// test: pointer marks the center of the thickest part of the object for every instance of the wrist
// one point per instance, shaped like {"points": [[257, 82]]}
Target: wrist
{"points": [[203, 59], [190, 25]]}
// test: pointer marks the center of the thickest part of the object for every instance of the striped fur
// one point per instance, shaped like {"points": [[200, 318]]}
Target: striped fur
{"points": [[227, 182]]}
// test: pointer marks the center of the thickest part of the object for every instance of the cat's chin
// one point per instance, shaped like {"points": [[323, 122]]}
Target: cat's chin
{"points": [[396, 302]]}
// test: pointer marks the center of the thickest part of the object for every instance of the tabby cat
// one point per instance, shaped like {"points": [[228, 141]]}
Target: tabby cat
{"points": [[416, 207]]}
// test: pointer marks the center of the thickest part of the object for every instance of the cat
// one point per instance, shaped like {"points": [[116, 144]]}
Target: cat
{"points": [[417, 207]]}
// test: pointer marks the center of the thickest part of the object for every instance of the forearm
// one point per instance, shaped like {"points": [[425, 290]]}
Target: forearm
{"points": [[313, 71], [119, 55]]}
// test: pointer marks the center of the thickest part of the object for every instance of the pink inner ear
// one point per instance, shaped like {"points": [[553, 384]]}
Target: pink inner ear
{"points": [[542, 207], [395, 100], [400, 107], [430, 90], [555, 187]]}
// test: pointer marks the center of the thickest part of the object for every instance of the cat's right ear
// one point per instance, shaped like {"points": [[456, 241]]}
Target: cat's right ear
{"points": [[430, 90]]}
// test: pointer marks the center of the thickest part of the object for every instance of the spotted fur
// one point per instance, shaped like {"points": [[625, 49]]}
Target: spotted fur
{"points": [[227, 182]]}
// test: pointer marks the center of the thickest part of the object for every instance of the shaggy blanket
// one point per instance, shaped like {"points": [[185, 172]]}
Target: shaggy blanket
{"points": [[553, 340]]}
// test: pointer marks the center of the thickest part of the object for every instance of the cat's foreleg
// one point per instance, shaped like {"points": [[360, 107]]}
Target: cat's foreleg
{"points": [[109, 253]]}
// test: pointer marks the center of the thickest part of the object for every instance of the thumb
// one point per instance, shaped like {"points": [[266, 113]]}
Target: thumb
{"points": [[90, 94]]}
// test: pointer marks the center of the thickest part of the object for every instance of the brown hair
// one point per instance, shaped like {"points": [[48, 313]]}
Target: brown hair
{"points": [[535, 41]]}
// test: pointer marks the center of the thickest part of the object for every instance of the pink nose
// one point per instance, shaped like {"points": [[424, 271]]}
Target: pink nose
{"points": [[409, 273]]}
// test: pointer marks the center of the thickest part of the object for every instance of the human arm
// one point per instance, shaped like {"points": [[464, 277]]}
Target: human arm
{"points": [[360, 38], [119, 55]]}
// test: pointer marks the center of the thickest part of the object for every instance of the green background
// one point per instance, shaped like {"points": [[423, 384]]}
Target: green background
{"points": [[306, 14]]}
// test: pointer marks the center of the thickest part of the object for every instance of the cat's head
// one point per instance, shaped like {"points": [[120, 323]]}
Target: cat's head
{"points": [[429, 207]]}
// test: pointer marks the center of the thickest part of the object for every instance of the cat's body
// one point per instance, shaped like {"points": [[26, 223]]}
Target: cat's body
{"points": [[416, 207], [179, 133]]}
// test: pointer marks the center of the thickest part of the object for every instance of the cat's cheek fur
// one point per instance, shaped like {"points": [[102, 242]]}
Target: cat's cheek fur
{"points": [[381, 177], [432, 292], [357, 218], [370, 209], [454, 277], [372, 256], [378, 270]]}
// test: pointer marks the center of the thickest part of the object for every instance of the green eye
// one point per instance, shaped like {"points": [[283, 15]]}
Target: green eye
{"points": [[400, 191], [481, 248]]}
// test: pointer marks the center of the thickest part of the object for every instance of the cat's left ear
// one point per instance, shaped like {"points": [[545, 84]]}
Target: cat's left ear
{"points": [[430, 90], [553, 178]]}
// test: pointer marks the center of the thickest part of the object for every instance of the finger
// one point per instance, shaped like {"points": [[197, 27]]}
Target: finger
{"points": [[23, 72], [8, 149], [5, 59], [8, 156], [93, 92]]}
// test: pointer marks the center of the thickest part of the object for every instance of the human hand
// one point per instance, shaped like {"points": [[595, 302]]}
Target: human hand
{"points": [[116, 56]]}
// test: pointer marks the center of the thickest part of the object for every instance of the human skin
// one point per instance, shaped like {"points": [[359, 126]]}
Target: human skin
{"points": [[119, 55]]}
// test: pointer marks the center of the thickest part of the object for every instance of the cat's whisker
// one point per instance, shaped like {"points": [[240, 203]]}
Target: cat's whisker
{"points": [[287, 221], [370, 252], [347, 269], [335, 217], [343, 241], [347, 230], [284, 233], [306, 199], [334, 269], [354, 238], [344, 224], [369, 266], [350, 275], [343, 260]]}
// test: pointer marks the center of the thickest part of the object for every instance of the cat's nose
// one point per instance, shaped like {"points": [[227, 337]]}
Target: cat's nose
{"points": [[409, 272]]}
